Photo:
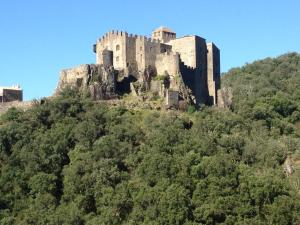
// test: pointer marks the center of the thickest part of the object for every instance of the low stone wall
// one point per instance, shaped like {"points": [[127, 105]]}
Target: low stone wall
{"points": [[20, 105]]}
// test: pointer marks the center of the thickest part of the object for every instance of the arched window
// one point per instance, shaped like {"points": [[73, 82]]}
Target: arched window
{"points": [[117, 58], [117, 47]]}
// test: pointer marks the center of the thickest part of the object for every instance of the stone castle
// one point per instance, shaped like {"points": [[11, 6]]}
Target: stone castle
{"points": [[175, 69]]}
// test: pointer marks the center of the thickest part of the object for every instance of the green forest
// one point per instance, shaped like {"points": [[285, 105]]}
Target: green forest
{"points": [[71, 161]]}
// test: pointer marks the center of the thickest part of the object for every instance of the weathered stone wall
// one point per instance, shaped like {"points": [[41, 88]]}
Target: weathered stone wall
{"points": [[213, 72], [201, 90], [131, 51], [156, 86], [152, 49], [188, 76], [172, 99], [17, 104], [186, 47], [140, 53], [168, 62], [76, 76], [107, 58]]}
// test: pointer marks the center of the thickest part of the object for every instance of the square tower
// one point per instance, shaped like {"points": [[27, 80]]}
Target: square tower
{"points": [[163, 34], [213, 72]]}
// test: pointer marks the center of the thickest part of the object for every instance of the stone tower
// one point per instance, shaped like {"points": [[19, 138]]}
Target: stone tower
{"points": [[213, 72], [163, 34]]}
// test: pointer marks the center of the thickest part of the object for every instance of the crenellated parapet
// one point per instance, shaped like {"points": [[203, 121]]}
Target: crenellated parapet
{"points": [[121, 34]]}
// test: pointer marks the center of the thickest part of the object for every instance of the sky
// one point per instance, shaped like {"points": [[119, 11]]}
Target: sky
{"points": [[38, 38]]}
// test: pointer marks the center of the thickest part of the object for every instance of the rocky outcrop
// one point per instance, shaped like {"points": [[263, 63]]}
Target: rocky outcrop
{"points": [[100, 82], [225, 97]]}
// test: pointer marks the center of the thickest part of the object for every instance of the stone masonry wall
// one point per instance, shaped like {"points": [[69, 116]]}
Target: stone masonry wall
{"points": [[201, 89], [76, 76], [186, 47], [167, 62], [213, 72], [20, 105]]}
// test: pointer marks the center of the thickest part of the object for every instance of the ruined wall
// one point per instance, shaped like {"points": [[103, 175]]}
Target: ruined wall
{"points": [[76, 76], [167, 62], [213, 72], [17, 104], [172, 98]]}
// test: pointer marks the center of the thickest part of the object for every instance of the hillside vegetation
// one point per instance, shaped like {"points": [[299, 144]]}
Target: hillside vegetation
{"points": [[70, 161]]}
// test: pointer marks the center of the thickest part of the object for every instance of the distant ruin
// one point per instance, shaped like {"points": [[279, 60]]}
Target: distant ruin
{"points": [[175, 69], [10, 94]]}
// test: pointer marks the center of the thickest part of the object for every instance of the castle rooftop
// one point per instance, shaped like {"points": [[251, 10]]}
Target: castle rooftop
{"points": [[165, 29]]}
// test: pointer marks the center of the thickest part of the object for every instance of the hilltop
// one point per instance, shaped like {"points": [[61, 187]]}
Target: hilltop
{"points": [[73, 161]]}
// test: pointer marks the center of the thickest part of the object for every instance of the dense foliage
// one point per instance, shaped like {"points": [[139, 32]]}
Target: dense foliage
{"points": [[70, 161]]}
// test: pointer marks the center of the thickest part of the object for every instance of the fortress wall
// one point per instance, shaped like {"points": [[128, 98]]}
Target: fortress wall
{"points": [[167, 62], [152, 49], [140, 52], [185, 46], [213, 72], [131, 50], [201, 71], [188, 76], [17, 104], [193, 53]]}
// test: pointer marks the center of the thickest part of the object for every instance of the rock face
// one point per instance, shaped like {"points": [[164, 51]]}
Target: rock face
{"points": [[100, 82], [225, 97]]}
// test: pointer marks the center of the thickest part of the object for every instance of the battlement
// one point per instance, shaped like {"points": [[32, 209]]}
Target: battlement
{"points": [[121, 34], [186, 66]]}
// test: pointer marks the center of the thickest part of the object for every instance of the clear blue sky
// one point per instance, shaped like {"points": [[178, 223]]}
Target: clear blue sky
{"points": [[40, 37]]}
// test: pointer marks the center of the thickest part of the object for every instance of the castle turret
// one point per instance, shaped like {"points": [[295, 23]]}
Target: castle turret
{"points": [[163, 34]]}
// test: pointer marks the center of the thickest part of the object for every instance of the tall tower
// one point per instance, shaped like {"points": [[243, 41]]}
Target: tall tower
{"points": [[213, 72], [163, 34]]}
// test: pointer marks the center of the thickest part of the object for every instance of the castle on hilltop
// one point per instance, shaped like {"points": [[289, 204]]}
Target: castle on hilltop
{"points": [[176, 69]]}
